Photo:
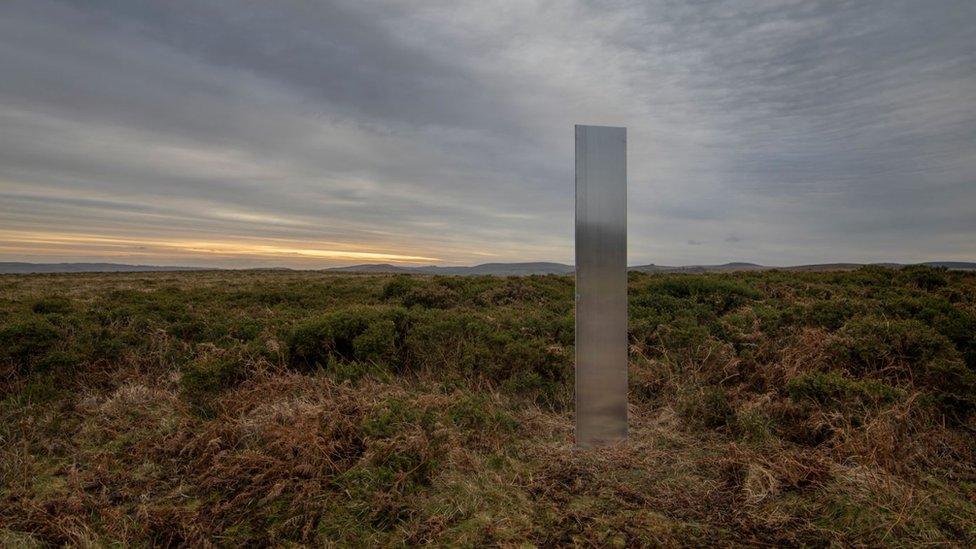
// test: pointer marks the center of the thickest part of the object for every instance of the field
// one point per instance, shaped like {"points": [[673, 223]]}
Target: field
{"points": [[332, 409]]}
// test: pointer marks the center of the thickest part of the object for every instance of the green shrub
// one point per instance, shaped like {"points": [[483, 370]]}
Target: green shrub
{"points": [[529, 383], [772, 319], [476, 412], [58, 361], [831, 315], [954, 322], [871, 276], [528, 365], [194, 329], [398, 287], [106, 343], [402, 455], [246, 329], [832, 388], [354, 370], [26, 342], [431, 296], [951, 385], [685, 334], [448, 341], [924, 277], [273, 297], [49, 305], [377, 343], [721, 294], [207, 376], [894, 346], [380, 488], [395, 415], [353, 334], [511, 352], [40, 388], [512, 291], [856, 436], [531, 355]]}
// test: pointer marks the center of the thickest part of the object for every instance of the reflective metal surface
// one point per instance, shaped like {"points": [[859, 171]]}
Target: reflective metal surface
{"points": [[601, 285]]}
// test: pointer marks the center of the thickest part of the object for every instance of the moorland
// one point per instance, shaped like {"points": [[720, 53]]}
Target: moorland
{"points": [[268, 408]]}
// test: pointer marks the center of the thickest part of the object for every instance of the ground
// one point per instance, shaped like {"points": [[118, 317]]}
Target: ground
{"points": [[270, 408]]}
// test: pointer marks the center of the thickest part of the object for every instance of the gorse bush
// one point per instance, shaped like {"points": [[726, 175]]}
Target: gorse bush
{"points": [[458, 345], [434, 296], [892, 347], [206, 377], [833, 389], [952, 386], [831, 315], [956, 323], [719, 294], [367, 334], [924, 277]]}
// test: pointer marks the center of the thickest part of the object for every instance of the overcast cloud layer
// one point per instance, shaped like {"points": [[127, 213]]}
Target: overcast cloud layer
{"points": [[314, 134]]}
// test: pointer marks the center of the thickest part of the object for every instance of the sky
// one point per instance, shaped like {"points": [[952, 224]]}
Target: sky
{"points": [[314, 134]]}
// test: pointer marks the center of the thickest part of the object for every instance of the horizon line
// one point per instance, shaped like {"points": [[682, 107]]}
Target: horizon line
{"points": [[175, 267]]}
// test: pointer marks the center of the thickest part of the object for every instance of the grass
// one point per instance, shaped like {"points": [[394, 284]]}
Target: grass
{"points": [[277, 408]]}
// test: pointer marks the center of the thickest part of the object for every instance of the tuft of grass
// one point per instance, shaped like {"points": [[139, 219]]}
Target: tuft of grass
{"points": [[706, 407], [755, 426]]}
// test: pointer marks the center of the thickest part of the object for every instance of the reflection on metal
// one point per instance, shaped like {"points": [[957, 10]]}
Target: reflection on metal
{"points": [[601, 285]]}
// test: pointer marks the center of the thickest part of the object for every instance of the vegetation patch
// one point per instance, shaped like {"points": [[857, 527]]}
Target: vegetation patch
{"points": [[361, 333], [205, 377], [706, 407], [28, 342], [831, 388], [317, 409], [51, 305]]}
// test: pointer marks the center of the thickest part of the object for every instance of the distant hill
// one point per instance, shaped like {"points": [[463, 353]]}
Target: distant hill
{"points": [[829, 267], [496, 269], [373, 268], [953, 265], [514, 269], [493, 269], [725, 267], [27, 268]]}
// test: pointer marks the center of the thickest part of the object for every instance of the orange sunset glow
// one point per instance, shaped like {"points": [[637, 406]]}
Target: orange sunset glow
{"points": [[30, 244]]}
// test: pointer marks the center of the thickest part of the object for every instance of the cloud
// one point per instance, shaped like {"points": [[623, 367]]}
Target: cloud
{"points": [[443, 130]]}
